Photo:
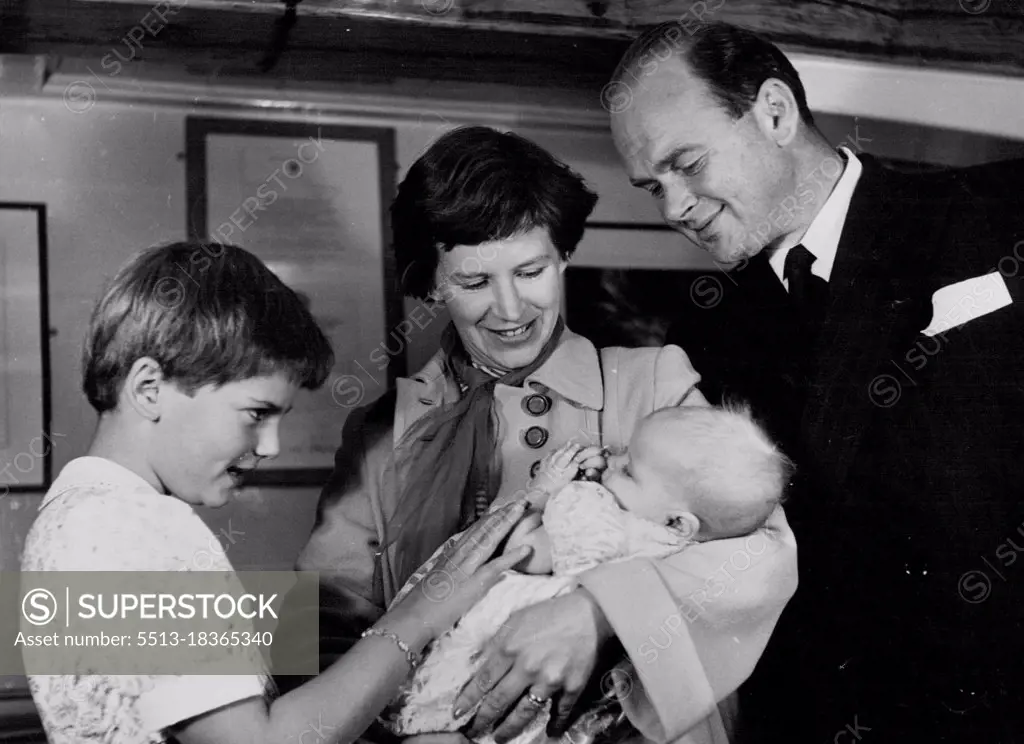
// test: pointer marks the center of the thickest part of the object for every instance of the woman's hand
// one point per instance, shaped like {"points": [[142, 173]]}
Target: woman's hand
{"points": [[530, 531], [548, 650], [460, 577]]}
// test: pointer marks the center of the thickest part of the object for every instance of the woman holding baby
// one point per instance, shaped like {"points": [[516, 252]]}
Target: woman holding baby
{"points": [[485, 223]]}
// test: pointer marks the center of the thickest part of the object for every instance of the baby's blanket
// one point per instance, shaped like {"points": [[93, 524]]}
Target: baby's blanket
{"points": [[586, 527]]}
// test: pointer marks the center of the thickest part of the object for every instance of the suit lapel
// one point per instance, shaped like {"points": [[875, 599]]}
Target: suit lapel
{"points": [[876, 303], [762, 306]]}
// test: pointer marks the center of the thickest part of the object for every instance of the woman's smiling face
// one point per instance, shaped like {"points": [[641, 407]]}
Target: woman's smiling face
{"points": [[504, 297]]}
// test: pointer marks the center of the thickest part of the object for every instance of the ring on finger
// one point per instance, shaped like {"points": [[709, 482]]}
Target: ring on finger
{"points": [[537, 700]]}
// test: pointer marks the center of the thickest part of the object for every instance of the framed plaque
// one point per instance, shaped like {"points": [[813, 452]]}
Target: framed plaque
{"points": [[26, 442], [311, 201]]}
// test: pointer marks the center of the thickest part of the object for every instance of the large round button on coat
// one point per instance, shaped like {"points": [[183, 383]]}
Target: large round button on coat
{"points": [[535, 437], [536, 404]]}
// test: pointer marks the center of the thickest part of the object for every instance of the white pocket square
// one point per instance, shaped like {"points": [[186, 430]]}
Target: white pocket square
{"points": [[964, 301]]}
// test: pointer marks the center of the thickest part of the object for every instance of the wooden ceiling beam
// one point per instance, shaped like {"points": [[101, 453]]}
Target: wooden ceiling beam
{"points": [[223, 43], [557, 43]]}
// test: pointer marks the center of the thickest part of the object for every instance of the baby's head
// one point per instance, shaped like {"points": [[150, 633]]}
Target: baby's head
{"points": [[709, 472]]}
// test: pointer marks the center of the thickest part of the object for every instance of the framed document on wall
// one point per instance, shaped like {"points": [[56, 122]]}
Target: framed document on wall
{"points": [[26, 442], [311, 201]]}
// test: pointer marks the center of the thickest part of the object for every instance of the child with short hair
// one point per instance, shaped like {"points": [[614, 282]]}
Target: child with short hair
{"points": [[690, 474], [194, 354]]}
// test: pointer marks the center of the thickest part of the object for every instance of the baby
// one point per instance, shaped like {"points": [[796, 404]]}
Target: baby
{"points": [[700, 473], [689, 474]]}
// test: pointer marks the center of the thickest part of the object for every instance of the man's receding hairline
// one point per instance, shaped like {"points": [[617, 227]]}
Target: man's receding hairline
{"points": [[678, 62], [679, 65], [684, 80], [646, 42]]}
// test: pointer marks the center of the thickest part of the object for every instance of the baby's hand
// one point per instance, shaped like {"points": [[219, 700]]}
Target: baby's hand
{"points": [[556, 471]]}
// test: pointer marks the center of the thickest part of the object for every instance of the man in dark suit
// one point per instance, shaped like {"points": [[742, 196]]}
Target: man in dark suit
{"points": [[874, 321]]}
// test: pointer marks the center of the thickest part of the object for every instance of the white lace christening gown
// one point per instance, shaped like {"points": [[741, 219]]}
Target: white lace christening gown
{"points": [[586, 528]]}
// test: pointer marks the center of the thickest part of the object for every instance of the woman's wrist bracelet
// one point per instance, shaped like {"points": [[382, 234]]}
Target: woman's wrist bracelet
{"points": [[410, 656]]}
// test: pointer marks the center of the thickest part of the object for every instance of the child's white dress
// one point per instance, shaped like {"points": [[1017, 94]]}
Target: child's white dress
{"points": [[586, 527], [99, 516]]}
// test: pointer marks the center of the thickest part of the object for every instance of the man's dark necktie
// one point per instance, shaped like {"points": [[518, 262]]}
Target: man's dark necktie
{"points": [[808, 292]]}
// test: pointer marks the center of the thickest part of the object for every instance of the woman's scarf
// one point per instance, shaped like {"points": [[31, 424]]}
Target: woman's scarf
{"points": [[447, 459]]}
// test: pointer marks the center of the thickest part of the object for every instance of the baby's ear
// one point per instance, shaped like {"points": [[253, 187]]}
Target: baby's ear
{"points": [[684, 523]]}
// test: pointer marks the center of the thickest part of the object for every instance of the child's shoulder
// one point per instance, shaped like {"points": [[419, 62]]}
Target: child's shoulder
{"points": [[94, 524]]}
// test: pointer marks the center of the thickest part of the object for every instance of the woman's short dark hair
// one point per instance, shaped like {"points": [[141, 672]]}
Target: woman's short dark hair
{"points": [[733, 62], [208, 314], [476, 185]]}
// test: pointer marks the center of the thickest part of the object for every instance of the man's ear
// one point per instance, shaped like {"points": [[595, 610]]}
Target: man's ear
{"points": [[684, 523], [777, 112], [143, 388]]}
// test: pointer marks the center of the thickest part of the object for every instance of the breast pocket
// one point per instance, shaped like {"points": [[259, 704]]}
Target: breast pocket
{"points": [[972, 352]]}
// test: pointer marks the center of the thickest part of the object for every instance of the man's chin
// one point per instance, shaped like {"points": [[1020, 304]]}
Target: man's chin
{"points": [[724, 257], [727, 255]]}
